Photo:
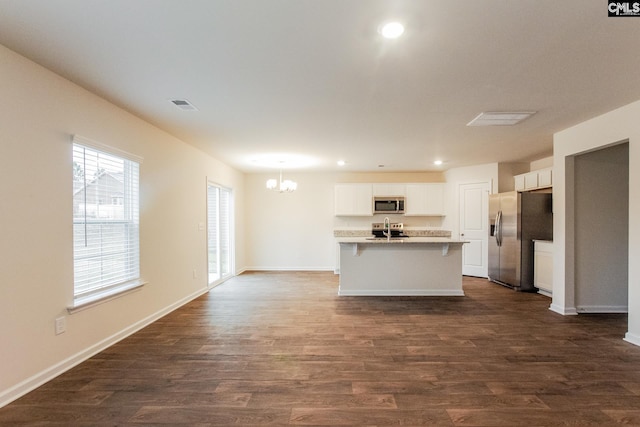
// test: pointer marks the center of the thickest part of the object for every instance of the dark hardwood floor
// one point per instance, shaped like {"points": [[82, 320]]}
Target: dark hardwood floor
{"points": [[282, 348]]}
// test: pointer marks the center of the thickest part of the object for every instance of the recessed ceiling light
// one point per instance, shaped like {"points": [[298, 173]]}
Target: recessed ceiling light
{"points": [[437, 162], [391, 30], [500, 118], [341, 163]]}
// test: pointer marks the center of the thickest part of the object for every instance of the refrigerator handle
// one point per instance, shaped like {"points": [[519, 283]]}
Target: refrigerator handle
{"points": [[499, 228]]}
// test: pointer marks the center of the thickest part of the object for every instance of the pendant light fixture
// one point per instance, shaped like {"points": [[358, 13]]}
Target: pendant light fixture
{"points": [[286, 186]]}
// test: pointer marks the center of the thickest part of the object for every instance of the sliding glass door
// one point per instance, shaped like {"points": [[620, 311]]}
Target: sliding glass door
{"points": [[218, 233]]}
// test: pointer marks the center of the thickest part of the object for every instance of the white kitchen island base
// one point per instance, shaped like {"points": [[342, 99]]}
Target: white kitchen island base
{"points": [[409, 267]]}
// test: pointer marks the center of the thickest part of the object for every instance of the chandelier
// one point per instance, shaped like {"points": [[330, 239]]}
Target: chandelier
{"points": [[286, 186]]}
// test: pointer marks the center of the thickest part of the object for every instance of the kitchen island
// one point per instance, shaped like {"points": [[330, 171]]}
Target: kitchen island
{"points": [[427, 266]]}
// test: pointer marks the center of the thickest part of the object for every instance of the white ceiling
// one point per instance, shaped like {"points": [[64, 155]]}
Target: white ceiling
{"points": [[313, 78]]}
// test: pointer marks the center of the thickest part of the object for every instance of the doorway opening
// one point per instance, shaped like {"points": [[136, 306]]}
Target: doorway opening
{"points": [[601, 229]]}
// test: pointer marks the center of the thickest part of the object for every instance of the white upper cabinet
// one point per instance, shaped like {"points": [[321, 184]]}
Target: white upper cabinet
{"points": [[534, 180], [390, 190], [531, 181], [353, 200], [424, 200], [545, 178]]}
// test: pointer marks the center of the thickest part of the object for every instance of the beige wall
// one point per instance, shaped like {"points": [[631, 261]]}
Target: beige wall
{"points": [[506, 172], [39, 113], [389, 177], [614, 127], [290, 231], [546, 162]]}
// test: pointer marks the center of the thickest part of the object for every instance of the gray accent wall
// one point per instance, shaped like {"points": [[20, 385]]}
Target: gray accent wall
{"points": [[602, 229]]}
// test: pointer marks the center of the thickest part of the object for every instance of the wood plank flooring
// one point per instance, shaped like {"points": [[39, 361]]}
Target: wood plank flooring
{"points": [[281, 348]]}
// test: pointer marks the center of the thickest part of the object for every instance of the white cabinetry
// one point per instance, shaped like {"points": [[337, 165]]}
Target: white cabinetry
{"points": [[534, 180], [353, 200], [543, 266], [531, 181], [545, 178], [391, 190], [424, 200]]}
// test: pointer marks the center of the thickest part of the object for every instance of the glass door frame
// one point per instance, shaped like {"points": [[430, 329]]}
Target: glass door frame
{"points": [[220, 276]]}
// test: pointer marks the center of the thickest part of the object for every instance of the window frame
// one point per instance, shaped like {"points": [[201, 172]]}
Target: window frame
{"points": [[84, 298]]}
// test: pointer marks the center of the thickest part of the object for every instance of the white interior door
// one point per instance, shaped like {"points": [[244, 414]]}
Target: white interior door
{"points": [[474, 214]]}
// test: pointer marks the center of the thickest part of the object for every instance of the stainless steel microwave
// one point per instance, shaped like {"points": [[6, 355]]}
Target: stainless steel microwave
{"points": [[388, 205]]}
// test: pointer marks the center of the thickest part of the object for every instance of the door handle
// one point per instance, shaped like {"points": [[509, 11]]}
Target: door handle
{"points": [[499, 228]]}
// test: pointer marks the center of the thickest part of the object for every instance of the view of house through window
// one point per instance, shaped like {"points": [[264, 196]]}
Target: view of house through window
{"points": [[218, 232], [105, 222]]}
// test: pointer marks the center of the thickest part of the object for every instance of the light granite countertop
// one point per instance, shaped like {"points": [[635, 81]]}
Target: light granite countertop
{"points": [[397, 240]]}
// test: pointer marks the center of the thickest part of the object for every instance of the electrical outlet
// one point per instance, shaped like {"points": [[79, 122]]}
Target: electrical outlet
{"points": [[61, 325], [195, 274]]}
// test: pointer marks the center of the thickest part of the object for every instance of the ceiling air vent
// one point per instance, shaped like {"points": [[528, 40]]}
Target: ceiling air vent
{"points": [[184, 105], [500, 119]]}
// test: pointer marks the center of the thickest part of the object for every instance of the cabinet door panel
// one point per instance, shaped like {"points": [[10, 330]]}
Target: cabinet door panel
{"points": [[544, 178], [353, 200], [531, 180], [424, 200], [392, 190]]}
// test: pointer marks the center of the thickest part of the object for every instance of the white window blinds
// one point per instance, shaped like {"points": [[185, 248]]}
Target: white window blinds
{"points": [[106, 250]]}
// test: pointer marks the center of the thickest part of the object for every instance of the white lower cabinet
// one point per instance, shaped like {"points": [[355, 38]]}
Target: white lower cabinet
{"points": [[424, 200], [543, 266]]}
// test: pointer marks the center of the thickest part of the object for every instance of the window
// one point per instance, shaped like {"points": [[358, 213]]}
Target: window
{"points": [[218, 232], [106, 251]]}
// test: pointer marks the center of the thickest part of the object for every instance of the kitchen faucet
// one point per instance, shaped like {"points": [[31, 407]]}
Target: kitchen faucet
{"points": [[387, 226]]}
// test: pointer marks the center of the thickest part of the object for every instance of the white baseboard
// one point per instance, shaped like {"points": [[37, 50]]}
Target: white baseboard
{"points": [[402, 293], [24, 387], [565, 311], [602, 309], [247, 269], [632, 338], [545, 292]]}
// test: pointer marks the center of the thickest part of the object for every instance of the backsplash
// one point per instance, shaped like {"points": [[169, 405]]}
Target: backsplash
{"points": [[354, 222], [408, 232]]}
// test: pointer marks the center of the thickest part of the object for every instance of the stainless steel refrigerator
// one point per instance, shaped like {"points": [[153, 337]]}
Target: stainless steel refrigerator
{"points": [[515, 221]]}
